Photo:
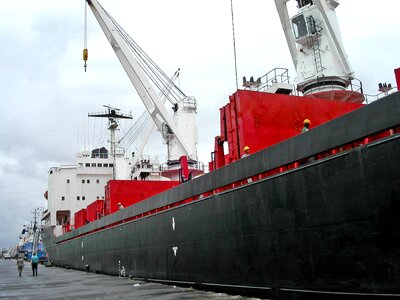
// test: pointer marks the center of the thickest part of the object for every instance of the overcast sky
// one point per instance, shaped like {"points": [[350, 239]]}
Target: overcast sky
{"points": [[46, 95]]}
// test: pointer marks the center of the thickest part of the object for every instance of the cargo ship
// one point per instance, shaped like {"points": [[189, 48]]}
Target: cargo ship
{"points": [[30, 242], [311, 212]]}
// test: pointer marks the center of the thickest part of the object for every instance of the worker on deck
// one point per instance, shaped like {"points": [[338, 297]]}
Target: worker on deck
{"points": [[306, 124], [246, 150], [120, 206]]}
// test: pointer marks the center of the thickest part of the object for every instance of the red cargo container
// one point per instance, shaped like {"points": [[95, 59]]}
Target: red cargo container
{"points": [[128, 192], [80, 218], [259, 120], [95, 210]]}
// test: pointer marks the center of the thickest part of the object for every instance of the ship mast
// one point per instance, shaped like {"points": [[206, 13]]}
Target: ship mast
{"points": [[112, 114], [36, 230]]}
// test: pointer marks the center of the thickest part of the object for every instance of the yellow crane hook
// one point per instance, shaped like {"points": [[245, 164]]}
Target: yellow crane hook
{"points": [[85, 57]]}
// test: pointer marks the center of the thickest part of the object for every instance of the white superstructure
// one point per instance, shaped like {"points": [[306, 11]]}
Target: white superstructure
{"points": [[73, 187]]}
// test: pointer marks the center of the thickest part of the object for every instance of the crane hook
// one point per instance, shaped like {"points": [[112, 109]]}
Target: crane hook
{"points": [[85, 57]]}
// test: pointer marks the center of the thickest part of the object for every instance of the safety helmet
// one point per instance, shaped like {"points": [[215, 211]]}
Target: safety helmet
{"points": [[119, 204], [245, 148], [306, 121]]}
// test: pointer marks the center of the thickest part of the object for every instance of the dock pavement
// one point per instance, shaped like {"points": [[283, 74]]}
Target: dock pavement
{"points": [[60, 283]]}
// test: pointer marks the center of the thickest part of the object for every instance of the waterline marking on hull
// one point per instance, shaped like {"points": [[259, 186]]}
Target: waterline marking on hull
{"points": [[338, 293]]}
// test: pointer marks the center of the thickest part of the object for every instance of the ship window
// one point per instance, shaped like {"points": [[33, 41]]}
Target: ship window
{"points": [[88, 181], [105, 165], [83, 197], [111, 165], [78, 198], [97, 181], [87, 165], [99, 165], [83, 180], [97, 197], [299, 26], [67, 180], [93, 165], [102, 197], [311, 25], [62, 198]]}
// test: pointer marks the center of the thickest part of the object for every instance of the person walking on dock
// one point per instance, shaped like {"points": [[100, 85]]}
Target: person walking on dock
{"points": [[34, 262], [20, 265]]}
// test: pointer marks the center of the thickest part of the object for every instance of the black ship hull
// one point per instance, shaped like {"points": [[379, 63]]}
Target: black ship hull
{"points": [[326, 229]]}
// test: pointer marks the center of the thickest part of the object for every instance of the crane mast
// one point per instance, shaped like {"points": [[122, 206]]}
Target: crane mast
{"points": [[176, 131], [315, 44]]}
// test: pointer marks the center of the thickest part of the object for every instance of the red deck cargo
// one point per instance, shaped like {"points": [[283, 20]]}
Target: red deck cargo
{"points": [[80, 218], [95, 210], [259, 120], [128, 192]]}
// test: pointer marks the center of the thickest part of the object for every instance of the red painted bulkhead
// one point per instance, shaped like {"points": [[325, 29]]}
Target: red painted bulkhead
{"points": [[80, 218], [397, 76], [259, 120], [128, 192], [95, 210]]}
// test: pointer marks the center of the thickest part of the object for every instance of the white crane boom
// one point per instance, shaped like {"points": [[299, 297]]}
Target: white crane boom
{"points": [[281, 6], [145, 90], [149, 128], [329, 21], [315, 44]]}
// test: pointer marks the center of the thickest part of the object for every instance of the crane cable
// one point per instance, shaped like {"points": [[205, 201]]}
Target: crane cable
{"points": [[234, 45], [149, 67], [85, 50]]}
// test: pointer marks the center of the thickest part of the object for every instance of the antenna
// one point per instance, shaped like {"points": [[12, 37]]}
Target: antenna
{"points": [[112, 114]]}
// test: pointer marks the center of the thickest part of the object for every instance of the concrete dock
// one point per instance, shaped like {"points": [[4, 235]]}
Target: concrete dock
{"points": [[60, 283]]}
